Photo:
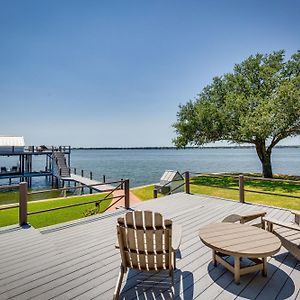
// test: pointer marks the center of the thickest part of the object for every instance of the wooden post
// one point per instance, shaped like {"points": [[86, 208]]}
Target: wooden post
{"points": [[23, 199], [241, 189], [82, 173], [103, 178], [122, 184], [75, 171], [187, 182], [126, 193], [297, 219], [155, 193]]}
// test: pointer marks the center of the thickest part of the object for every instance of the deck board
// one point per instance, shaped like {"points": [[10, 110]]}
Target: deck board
{"points": [[78, 259]]}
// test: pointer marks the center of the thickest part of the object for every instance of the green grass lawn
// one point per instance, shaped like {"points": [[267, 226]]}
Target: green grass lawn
{"points": [[278, 201], [7, 197], [198, 186], [10, 216], [144, 193], [284, 188]]}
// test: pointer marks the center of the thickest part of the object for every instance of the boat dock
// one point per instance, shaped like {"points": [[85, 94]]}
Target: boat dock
{"points": [[91, 183]]}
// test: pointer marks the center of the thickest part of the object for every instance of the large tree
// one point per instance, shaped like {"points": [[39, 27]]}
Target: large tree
{"points": [[258, 103]]}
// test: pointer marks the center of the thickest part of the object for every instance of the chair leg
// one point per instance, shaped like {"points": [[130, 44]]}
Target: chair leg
{"points": [[174, 260], [171, 270], [171, 273], [119, 283]]}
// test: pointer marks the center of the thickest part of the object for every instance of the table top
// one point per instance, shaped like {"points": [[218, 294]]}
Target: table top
{"points": [[239, 240]]}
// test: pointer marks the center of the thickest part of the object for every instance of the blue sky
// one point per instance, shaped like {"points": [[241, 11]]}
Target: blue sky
{"points": [[112, 73]]}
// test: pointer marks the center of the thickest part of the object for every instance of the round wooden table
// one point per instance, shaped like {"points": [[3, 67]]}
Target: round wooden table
{"points": [[240, 240]]}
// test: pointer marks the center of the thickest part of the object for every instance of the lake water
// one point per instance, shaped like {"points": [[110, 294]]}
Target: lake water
{"points": [[146, 166]]}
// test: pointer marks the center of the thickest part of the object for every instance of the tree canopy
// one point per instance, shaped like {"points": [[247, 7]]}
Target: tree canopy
{"points": [[258, 103]]}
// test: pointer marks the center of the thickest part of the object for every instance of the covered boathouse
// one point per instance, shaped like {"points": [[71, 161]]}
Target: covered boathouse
{"points": [[57, 160]]}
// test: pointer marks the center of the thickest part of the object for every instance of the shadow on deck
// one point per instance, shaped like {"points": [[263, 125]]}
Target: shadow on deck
{"points": [[78, 260]]}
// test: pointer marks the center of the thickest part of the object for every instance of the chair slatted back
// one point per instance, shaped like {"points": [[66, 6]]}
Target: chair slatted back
{"points": [[145, 241]]}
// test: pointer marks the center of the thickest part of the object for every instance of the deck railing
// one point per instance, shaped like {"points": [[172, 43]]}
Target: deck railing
{"points": [[241, 179], [23, 198], [43, 148]]}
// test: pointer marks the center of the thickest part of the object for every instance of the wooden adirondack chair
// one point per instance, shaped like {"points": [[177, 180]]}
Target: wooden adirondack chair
{"points": [[287, 232], [147, 242], [246, 217]]}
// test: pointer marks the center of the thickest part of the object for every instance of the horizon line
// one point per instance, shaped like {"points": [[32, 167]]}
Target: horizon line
{"points": [[175, 148]]}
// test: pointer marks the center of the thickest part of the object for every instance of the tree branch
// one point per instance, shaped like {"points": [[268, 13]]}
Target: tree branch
{"points": [[277, 138]]}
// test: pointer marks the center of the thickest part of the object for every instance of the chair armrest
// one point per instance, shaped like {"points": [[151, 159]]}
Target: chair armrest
{"points": [[232, 218], [282, 224], [244, 217], [176, 236], [297, 216]]}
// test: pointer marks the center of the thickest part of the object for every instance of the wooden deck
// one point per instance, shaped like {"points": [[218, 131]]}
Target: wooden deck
{"points": [[78, 260]]}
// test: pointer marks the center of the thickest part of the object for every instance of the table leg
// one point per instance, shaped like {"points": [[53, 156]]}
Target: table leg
{"points": [[264, 271], [237, 274], [262, 223], [214, 258]]}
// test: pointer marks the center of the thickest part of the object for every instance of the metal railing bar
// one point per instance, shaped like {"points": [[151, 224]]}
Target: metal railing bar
{"points": [[113, 190], [236, 177], [181, 185], [71, 205], [9, 207], [272, 179], [43, 191], [218, 186], [9, 187], [250, 191], [167, 184], [112, 204], [216, 175], [272, 194]]}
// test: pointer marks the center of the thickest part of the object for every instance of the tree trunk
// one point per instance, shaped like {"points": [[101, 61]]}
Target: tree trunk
{"points": [[267, 166], [265, 158]]}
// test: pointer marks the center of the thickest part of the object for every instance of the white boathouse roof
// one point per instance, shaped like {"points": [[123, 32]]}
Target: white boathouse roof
{"points": [[12, 141]]}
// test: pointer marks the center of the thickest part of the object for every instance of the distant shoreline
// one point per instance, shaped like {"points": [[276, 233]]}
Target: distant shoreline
{"points": [[174, 148]]}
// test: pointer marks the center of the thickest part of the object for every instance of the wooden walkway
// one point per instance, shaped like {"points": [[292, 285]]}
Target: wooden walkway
{"points": [[77, 260], [86, 181]]}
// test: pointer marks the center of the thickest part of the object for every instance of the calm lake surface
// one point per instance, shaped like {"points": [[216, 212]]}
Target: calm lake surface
{"points": [[146, 166]]}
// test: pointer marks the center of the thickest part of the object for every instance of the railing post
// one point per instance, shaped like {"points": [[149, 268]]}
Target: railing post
{"points": [[187, 182], [23, 203], [103, 178], [155, 193], [122, 184], [126, 193], [75, 171], [241, 189], [81, 173]]}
